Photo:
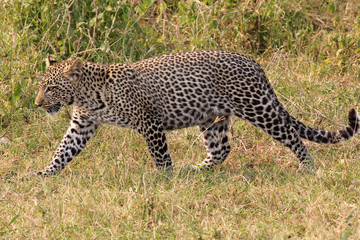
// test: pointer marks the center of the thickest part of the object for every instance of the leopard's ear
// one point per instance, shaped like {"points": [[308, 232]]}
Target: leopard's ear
{"points": [[74, 71], [50, 61]]}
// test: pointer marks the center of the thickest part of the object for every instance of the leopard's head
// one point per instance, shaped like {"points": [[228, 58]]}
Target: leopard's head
{"points": [[57, 84]]}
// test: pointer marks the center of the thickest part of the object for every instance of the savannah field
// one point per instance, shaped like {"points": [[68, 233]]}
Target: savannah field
{"points": [[310, 50]]}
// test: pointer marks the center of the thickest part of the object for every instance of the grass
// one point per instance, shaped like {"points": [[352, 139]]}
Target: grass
{"points": [[311, 53]]}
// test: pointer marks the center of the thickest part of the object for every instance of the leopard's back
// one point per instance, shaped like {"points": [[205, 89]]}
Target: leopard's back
{"points": [[194, 88]]}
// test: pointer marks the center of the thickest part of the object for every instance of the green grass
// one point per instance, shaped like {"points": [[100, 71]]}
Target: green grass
{"points": [[311, 53]]}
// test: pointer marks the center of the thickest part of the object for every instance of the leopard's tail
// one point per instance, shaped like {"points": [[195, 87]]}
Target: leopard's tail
{"points": [[329, 137]]}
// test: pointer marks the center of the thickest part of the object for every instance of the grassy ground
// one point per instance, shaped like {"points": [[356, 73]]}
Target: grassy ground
{"points": [[311, 52]]}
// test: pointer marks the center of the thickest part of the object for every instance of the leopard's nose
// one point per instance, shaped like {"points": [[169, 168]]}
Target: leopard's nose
{"points": [[39, 102]]}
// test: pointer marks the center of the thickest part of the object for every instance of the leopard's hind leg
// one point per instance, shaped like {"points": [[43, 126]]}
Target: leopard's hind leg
{"points": [[275, 121], [216, 141]]}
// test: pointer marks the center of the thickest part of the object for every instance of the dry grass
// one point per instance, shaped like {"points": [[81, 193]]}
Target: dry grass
{"points": [[112, 190]]}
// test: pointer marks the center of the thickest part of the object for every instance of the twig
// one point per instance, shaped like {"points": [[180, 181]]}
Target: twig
{"points": [[67, 13], [88, 50], [91, 40], [47, 31], [177, 32], [7, 129], [111, 27], [69, 16], [197, 18], [96, 15], [276, 55], [51, 46], [165, 16], [71, 3], [293, 77], [152, 20], [233, 136]]}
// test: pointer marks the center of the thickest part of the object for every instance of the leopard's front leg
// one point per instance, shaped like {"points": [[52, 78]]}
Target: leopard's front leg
{"points": [[154, 134], [74, 140]]}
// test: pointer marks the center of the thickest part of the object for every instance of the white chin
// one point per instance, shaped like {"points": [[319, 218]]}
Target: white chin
{"points": [[53, 110], [53, 114]]}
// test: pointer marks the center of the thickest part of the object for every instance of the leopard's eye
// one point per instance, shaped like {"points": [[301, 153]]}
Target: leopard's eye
{"points": [[47, 89]]}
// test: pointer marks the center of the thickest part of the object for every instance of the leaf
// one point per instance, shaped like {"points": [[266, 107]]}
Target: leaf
{"points": [[345, 235], [92, 22], [14, 219], [100, 16], [105, 47], [79, 24], [149, 3], [17, 90], [214, 24]]}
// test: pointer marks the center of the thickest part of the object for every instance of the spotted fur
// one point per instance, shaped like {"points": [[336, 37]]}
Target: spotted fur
{"points": [[171, 92]]}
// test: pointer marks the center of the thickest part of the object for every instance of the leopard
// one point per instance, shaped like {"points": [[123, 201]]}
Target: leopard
{"points": [[204, 88]]}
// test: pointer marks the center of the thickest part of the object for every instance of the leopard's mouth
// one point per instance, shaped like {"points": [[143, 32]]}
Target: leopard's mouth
{"points": [[54, 109]]}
